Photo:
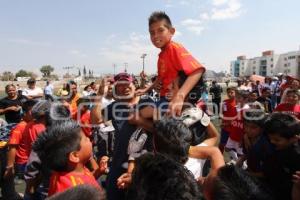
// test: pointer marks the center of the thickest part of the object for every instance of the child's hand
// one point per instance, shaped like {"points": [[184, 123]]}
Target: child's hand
{"points": [[140, 92], [175, 106], [9, 172], [124, 180], [103, 165]]}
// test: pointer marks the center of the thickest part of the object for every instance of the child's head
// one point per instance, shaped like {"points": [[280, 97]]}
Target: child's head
{"points": [[156, 176], [292, 96], [83, 104], [254, 122], [233, 183], [63, 146], [253, 96], [231, 92], [160, 29], [265, 92], [241, 97], [282, 129], [27, 107], [41, 110], [172, 138]]}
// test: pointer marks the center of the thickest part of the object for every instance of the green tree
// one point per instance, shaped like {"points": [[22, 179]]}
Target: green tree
{"points": [[22, 73], [46, 70], [7, 76], [84, 71], [79, 72]]}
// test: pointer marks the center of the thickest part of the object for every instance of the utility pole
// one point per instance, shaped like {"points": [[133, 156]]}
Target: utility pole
{"points": [[125, 65], [68, 68], [143, 57], [114, 66]]}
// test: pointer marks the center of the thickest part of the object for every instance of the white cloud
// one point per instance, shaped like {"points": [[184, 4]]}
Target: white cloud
{"points": [[77, 53], [23, 41], [191, 22], [219, 2], [231, 10], [196, 29]]}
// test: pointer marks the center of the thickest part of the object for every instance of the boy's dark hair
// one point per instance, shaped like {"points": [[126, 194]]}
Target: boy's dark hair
{"points": [[84, 101], [58, 113], [243, 93], [54, 146], [28, 104], [31, 81], [257, 117], [8, 86], [157, 177], [283, 124], [159, 16], [172, 138], [233, 183], [195, 94], [79, 192], [265, 90], [41, 109], [230, 89], [297, 92]]}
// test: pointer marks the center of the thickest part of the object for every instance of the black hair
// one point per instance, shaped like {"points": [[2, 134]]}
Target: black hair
{"points": [[157, 177], [159, 16], [233, 183], [54, 146], [80, 192], [243, 93], [283, 124], [265, 90], [293, 91], [58, 113], [72, 83], [195, 94], [257, 117], [83, 100], [172, 138], [31, 81], [230, 89], [28, 104]]}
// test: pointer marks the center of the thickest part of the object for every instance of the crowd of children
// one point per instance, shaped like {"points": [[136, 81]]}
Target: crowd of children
{"points": [[122, 142]]}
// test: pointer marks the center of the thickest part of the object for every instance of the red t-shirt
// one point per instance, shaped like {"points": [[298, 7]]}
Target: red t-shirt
{"points": [[172, 59], [237, 125], [85, 123], [32, 130], [229, 113], [61, 181], [16, 133], [289, 108]]}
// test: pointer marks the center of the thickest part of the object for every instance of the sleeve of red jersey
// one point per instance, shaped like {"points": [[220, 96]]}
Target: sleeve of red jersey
{"points": [[184, 60], [15, 135]]}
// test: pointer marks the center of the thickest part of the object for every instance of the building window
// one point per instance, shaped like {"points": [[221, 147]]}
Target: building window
{"points": [[271, 59], [254, 61], [271, 65], [285, 65], [254, 73], [292, 57], [285, 58]]}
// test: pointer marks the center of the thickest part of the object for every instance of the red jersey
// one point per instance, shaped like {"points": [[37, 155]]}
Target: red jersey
{"points": [[237, 125], [32, 130], [229, 113], [172, 59], [16, 133], [289, 108], [85, 123], [61, 181]]}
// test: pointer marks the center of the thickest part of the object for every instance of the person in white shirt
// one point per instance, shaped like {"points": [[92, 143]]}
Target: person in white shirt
{"points": [[48, 90], [33, 92]]}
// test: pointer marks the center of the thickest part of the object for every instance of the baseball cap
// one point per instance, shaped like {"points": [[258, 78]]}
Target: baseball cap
{"points": [[123, 77]]}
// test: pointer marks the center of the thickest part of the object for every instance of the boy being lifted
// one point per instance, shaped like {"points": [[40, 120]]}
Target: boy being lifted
{"points": [[172, 59]]}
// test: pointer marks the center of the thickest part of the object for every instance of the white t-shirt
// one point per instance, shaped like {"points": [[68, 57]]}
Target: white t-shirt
{"points": [[106, 102], [196, 165], [32, 92]]}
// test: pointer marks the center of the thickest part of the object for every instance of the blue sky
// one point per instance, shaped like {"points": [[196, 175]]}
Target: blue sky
{"points": [[99, 33]]}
